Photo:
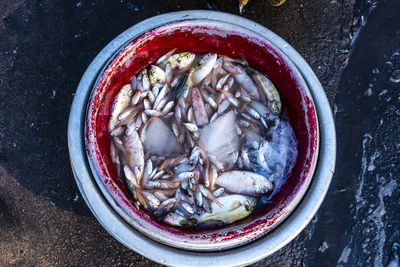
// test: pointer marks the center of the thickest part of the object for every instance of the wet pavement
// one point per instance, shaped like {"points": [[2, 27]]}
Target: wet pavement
{"points": [[45, 46]]}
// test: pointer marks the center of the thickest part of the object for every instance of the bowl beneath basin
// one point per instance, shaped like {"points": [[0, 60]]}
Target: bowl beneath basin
{"points": [[223, 38], [223, 33]]}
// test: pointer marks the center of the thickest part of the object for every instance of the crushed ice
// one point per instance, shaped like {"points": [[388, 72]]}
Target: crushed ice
{"points": [[275, 158]]}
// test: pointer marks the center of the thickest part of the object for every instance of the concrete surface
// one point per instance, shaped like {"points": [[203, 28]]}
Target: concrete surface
{"points": [[360, 218], [45, 46]]}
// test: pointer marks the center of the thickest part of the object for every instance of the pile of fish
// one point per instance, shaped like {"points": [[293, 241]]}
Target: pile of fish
{"points": [[198, 138]]}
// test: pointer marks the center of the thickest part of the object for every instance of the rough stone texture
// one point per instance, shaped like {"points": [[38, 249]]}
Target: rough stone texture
{"points": [[359, 220], [45, 47]]}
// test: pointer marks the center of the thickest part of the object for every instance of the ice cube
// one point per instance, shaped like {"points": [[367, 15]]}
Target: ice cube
{"points": [[276, 158], [221, 140], [160, 140]]}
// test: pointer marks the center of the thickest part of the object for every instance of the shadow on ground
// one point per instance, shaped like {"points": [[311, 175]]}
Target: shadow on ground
{"points": [[45, 47]]}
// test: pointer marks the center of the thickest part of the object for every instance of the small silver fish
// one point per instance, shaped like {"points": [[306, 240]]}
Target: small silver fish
{"points": [[134, 153], [191, 127], [205, 66], [121, 102], [177, 219], [146, 83], [179, 61], [152, 201], [161, 95], [165, 56], [245, 182], [222, 81], [199, 108], [168, 73], [165, 206], [219, 192], [156, 74], [269, 89], [243, 79], [131, 177]]}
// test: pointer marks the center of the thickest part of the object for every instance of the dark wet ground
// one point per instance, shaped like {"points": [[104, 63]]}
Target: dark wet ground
{"points": [[45, 46]]}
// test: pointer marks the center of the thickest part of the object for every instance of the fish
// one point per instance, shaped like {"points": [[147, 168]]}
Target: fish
{"points": [[152, 185], [240, 75], [141, 198], [180, 61], [244, 182], [128, 112], [165, 206], [165, 56], [152, 201], [204, 67], [241, 60], [191, 127], [208, 109], [147, 171], [207, 193], [184, 176], [117, 131], [134, 153], [216, 70], [269, 89], [223, 106], [161, 95], [219, 192], [185, 208], [121, 102], [157, 74], [169, 184], [156, 89], [199, 108], [168, 73], [213, 176], [190, 115], [146, 82], [158, 175], [136, 98], [229, 84], [207, 80], [222, 81], [113, 152], [210, 101], [177, 219], [198, 197], [233, 208], [119, 144], [180, 86], [252, 112], [151, 97], [161, 104], [168, 106], [131, 177], [230, 97]]}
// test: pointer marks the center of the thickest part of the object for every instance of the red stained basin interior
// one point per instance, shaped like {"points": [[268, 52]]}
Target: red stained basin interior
{"points": [[260, 55]]}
